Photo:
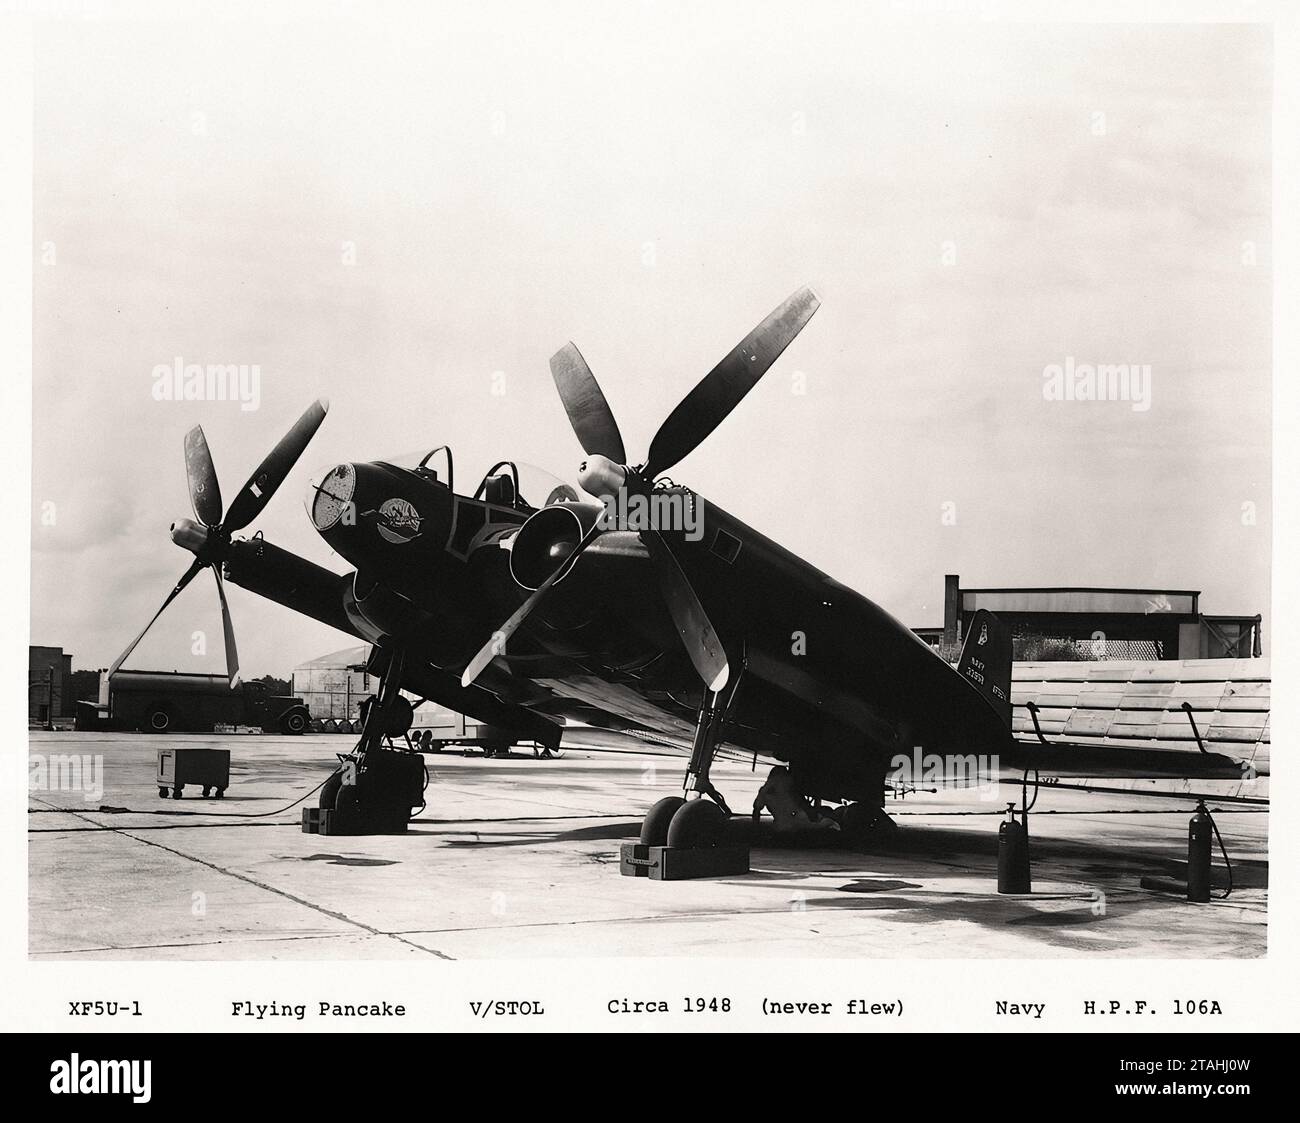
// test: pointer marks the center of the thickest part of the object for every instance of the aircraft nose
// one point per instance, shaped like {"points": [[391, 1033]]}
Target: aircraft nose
{"points": [[329, 499]]}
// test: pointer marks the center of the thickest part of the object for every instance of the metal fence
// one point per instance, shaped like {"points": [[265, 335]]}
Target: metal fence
{"points": [[1028, 646]]}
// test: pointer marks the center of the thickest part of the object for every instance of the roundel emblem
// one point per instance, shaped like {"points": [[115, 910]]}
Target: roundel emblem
{"points": [[399, 521]]}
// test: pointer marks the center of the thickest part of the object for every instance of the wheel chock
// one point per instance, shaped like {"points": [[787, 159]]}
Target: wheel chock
{"points": [[316, 820], [680, 863], [326, 820]]}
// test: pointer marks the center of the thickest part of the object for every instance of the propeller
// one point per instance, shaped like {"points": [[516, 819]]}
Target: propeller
{"points": [[501, 636], [721, 390], [605, 471], [589, 413], [210, 536]]}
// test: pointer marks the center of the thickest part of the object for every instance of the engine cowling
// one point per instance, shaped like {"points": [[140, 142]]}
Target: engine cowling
{"points": [[547, 538]]}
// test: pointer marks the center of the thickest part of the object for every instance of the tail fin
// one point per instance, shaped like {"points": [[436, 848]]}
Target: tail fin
{"points": [[986, 662]]}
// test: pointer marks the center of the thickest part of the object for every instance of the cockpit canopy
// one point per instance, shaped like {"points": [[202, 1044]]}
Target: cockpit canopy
{"points": [[508, 483]]}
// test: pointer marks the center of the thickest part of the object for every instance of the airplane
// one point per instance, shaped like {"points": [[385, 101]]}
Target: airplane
{"points": [[527, 603]]}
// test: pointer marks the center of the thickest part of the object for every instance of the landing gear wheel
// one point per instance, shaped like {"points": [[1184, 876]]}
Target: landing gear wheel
{"points": [[330, 792], [347, 809], [864, 825], [698, 825], [654, 827]]}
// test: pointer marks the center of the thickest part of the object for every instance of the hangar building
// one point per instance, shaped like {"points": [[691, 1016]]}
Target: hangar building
{"points": [[333, 686], [1091, 623], [49, 686]]}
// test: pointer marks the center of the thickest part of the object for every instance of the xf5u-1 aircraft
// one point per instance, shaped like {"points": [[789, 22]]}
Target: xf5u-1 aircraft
{"points": [[525, 604]]}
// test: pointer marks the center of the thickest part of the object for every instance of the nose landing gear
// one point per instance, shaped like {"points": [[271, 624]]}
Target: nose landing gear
{"points": [[378, 785]]}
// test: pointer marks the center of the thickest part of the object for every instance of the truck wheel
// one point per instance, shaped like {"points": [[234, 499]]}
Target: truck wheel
{"points": [[162, 793], [176, 791], [159, 720], [293, 723]]}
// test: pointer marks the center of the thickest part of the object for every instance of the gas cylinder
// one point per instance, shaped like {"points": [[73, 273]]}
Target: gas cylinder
{"points": [[1013, 854], [1199, 831]]}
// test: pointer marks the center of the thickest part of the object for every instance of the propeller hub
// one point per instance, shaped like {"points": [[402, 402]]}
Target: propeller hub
{"points": [[602, 477], [189, 535]]}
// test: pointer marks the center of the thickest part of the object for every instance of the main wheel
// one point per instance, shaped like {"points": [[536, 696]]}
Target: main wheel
{"points": [[330, 792], [654, 827], [699, 824], [348, 815]]}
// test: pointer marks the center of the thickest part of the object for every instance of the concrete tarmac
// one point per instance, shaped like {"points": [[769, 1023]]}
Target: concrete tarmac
{"points": [[518, 857]]}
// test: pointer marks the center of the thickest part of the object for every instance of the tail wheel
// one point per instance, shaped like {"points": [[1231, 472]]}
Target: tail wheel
{"points": [[864, 824]]}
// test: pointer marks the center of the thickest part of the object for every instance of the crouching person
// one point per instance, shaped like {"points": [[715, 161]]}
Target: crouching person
{"points": [[791, 811]]}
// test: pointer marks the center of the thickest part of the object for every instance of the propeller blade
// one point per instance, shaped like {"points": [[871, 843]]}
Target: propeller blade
{"points": [[205, 492], [589, 413], [496, 645], [693, 625], [270, 474], [185, 580], [228, 629], [721, 390]]}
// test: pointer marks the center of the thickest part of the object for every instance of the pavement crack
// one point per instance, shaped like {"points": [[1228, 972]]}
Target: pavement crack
{"points": [[249, 880]]}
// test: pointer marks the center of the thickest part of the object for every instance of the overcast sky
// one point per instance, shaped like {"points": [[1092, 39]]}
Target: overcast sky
{"points": [[389, 212]]}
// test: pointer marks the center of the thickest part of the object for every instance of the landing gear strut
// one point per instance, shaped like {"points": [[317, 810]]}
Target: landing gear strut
{"points": [[378, 785], [698, 818], [684, 836]]}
